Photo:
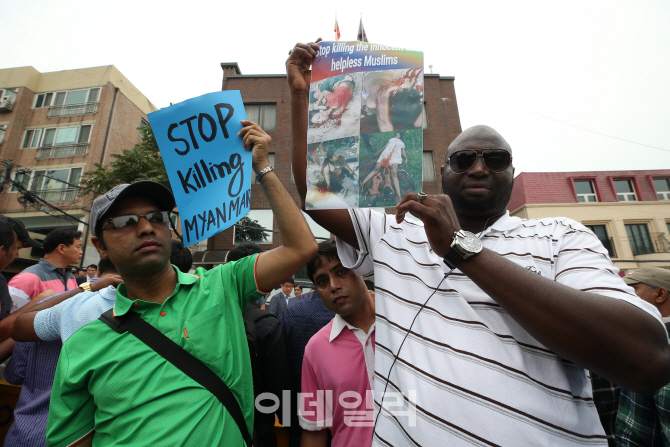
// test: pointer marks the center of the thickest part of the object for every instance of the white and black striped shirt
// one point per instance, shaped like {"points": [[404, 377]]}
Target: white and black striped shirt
{"points": [[475, 375]]}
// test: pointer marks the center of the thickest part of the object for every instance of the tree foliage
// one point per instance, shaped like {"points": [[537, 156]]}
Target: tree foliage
{"points": [[247, 230], [143, 162]]}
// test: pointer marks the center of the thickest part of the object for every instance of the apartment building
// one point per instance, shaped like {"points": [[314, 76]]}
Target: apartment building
{"points": [[267, 101], [53, 128], [629, 211]]}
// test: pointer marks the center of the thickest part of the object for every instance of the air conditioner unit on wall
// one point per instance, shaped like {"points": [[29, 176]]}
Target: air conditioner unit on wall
{"points": [[5, 105]]}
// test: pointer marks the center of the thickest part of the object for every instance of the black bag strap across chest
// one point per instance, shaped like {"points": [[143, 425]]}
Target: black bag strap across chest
{"points": [[182, 359]]}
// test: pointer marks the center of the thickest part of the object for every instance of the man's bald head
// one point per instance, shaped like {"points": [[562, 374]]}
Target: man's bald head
{"points": [[478, 193], [478, 137]]}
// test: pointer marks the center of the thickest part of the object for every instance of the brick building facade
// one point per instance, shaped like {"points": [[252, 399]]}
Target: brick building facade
{"points": [[53, 128], [629, 211], [268, 97]]}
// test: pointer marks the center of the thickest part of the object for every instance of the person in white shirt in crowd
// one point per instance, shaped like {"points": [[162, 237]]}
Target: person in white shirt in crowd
{"points": [[486, 323]]}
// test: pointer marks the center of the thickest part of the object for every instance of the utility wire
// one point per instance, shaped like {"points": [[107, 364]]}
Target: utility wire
{"points": [[23, 169], [566, 123], [31, 194]]}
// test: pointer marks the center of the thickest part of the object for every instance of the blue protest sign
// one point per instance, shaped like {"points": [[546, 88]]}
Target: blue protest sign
{"points": [[208, 168]]}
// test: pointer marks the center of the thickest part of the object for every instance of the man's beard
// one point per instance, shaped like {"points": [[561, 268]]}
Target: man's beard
{"points": [[493, 206]]}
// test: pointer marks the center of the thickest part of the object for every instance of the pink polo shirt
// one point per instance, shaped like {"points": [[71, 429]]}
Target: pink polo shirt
{"points": [[337, 373]]}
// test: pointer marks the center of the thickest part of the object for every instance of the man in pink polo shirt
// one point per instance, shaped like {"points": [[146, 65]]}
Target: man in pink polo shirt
{"points": [[338, 367]]}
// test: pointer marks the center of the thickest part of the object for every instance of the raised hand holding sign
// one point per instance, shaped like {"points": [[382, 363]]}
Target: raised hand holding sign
{"points": [[207, 165]]}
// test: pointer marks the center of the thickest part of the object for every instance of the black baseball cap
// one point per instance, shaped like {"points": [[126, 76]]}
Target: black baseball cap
{"points": [[22, 234]]}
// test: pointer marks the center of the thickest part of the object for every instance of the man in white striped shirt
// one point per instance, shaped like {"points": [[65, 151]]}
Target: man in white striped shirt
{"points": [[496, 352]]}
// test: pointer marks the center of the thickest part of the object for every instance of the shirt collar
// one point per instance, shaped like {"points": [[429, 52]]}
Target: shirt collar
{"points": [[123, 304], [49, 266], [504, 223], [339, 324]]}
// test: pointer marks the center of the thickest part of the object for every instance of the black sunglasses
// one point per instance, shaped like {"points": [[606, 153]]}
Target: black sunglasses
{"points": [[130, 220], [496, 160]]}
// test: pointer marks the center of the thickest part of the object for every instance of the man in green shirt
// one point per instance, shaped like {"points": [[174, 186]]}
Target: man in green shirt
{"points": [[111, 388]]}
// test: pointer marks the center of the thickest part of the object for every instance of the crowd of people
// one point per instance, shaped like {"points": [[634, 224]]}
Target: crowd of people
{"points": [[466, 327]]}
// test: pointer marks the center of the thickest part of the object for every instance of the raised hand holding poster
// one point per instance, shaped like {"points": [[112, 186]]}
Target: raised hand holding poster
{"points": [[365, 135], [208, 168]]}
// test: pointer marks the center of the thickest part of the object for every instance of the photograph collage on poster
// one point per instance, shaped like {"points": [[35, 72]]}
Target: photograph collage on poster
{"points": [[365, 138]]}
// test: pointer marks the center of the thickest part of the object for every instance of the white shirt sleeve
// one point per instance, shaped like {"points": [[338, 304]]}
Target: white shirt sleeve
{"points": [[370, 227], [581, 262]]}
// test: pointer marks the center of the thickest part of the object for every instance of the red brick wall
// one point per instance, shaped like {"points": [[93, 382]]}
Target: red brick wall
{"points": [[557, 187]]}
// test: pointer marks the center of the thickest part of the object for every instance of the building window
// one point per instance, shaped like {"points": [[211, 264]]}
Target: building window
{"points": [[639, 238], [601, 232], [271, 160], [263, 114], [67, 98], [51, 185], [318, 231], [8, 94], [22, 179], [55, 136], [428, 173], [264, 218], [425, 116], [143, 123], [586, 192], [625, 190], [32, 138], [662, 186]]}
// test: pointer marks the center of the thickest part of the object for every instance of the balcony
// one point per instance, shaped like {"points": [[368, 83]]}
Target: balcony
{"points": [[62, 151], [58, 195], [661, 243], [73, 109]]}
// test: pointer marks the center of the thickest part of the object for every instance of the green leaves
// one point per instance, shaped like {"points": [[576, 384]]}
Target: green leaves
{"points": [[143, 162], [247, 230]]}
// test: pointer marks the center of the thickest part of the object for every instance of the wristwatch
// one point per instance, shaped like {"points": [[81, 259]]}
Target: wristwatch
{"points": [[263, 172], [86, 286], [463, 246]]}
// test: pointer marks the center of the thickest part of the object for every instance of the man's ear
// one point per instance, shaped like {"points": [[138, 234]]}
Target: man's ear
{"points": [[661, 295], [100, 246]]}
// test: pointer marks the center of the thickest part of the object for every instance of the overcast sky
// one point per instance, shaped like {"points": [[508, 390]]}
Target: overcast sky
{"points": [[551, 77]]}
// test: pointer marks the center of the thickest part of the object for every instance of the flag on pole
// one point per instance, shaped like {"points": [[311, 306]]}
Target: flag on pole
{"points": [[337, 29], [362, 37]]}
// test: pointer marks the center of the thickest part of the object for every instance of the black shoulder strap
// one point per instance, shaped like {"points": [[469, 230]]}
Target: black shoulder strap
{"points": [[182, 359]]}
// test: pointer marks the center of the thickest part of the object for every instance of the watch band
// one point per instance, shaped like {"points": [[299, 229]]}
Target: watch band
{"points": [[463, 246], [86, 286], [453, 258], [263, 172]]}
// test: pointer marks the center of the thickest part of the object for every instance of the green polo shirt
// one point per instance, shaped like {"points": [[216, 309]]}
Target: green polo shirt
{"points": [[131, 396]]}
